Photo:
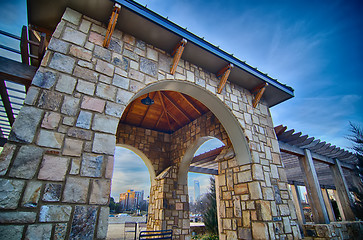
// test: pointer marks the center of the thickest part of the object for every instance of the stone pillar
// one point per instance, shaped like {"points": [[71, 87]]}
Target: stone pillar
{"points": [[328, 204], [343, 194], [298, 206], [315, 196]]}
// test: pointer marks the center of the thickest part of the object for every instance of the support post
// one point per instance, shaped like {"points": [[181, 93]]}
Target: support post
{"points": [[224, 74], [261, 89], [343, 193], [177, 53], [298, 206], [315, 196], [111, 24], [24, 47], [328, 205]]}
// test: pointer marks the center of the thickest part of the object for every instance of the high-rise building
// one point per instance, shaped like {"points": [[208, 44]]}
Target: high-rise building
{"points": [[131, 199], [196, 191]]}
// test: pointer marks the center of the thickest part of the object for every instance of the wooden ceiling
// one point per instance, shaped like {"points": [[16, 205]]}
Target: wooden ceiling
{"points": [[170, 111]]}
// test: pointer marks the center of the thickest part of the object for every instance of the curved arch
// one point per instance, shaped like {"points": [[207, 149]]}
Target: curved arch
{"points": [[213, 103], [146, 160], [187, 159]]}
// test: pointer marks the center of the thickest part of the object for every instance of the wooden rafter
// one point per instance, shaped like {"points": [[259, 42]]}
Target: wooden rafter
{"points": [[6, 101], [164, 108], [177, 53], [259, 94], [147, 110], [190, 104], [111, 24], [223, 74], [157, 122], [177, 107]]}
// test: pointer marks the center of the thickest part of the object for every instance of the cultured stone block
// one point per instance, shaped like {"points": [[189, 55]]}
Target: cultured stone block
{"points": [[76, 190], [58, 45], [10, 191], [80, 133], [135, 86], [274, 171], [263, 211], [81, 53], [114, 109], [86, 74], [109, 167], [257, 172], [62, 63], [84, 120], [152, 54], [5, 157], [245, 176], [32, 194], [74, 36], [103, 222], [44, 79], [255, 190], [96, 38], [60, 231], [93, 104], [75, 166], [268, 194], [259, 230], [84, 222], [85, 87], [72, 147], [105, 124], [149, 67], [120, 61], [241, 188], [164, 63], [50, 139], [52, 192], [31, 96], [102, 53], [72, 16], [26, 162], [54, 213], [131, 55], [11, 232], [49, 100], [138, 76], [106, 91], [53, 168], [69, 121], [70, 106], [287, 225], [100, 192], [277, 194], [284, 210], [121, 82], [115, 45], [25, 126], [85, 26], [38, 231], [104, 143], [91, 165], [17, 217], [51, 120], [105, 68]]}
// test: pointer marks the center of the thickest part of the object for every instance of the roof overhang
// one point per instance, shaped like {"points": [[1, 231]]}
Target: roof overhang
{"points": [[156, 30]]}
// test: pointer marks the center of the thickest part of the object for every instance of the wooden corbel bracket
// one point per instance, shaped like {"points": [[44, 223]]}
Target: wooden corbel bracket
{"points": [[259, 90], [177, 53], [223, 74], [111, 24]]}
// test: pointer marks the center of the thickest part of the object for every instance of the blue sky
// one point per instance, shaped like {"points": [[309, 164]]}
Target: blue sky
{"points": [[313, 46]]}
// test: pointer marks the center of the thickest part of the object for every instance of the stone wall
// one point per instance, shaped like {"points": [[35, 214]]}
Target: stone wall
{"points": [[57, 165], [334, 231]]}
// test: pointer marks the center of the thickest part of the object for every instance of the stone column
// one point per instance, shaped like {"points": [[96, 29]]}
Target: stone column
{"points": [[298, 206], [328, 204], [315, 196], [343, 194]]}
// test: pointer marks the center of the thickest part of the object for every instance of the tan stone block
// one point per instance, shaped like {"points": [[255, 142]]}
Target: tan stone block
{"points": [[245, 176], [257, 172], [53, 168], [93, 104], [129, 39], [179, 206], [105, 68], [72, 147], [80, 52], [255, 190], [109, 167], [32, 194], [259, 231], [96, 38], [241, 188], [100, 192], [76, 190], [263, 210]]}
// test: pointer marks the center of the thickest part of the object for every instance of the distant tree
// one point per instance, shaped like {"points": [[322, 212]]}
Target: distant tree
{"points": [[357, 139], [210, 211], [112, 204]]}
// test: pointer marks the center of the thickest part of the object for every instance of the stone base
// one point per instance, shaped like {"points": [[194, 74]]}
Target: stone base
{"points": [[334, 230]]}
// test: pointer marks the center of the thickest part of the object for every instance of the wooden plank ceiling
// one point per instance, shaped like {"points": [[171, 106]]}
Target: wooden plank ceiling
{"points": [[170, 111]]}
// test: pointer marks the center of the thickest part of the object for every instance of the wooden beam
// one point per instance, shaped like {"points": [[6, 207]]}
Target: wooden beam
{"points": [[297, 203], [6, 101], [190, 104], [203, 170], [177, 53], [164, 108], [177, 107], [223, 74], [147, 110], [315, 196], [343, 193], [16, 72], [3, 141], [259, 94], [24, 47], [111, 24], [328, 204]]}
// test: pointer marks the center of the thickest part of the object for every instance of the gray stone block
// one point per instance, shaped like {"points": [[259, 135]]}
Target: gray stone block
{"points": [[31, 96], [103, 222], [120, 61], [106, 91], [26, 124], [58, 45], [11, 232], [123, 96], [55, 213], [52, 192], [50, 100], [104, 143], [74, 36], [17, 217], [70, 106], [50, 139], [45, 79], [62, 63], [84, 120], [31, 194], [80, 133], [26, 162], [105, 124], [91, 165], [100, 192], [102, 53], [66, 84], [53, 168], [39, 231], [114, 109], [84, 222], [121, 82], [76, 190], [60, 231], [10, 191], [149, 67], [5, 157]]}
